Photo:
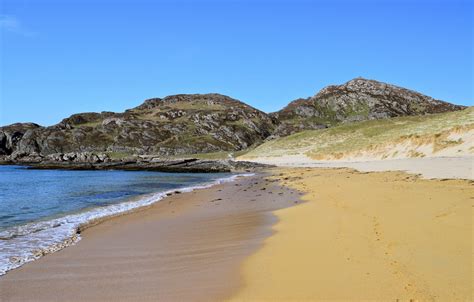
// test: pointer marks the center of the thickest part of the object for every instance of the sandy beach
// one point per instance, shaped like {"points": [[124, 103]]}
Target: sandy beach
{"points": [[294, 234], [385, 236], [187, 247], [236, 151], [453, 167]]}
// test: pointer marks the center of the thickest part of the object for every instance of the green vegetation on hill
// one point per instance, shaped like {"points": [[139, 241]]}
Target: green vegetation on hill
{"points": [[367, 135]]}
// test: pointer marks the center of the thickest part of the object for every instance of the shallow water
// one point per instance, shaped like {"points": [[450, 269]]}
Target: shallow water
{"points": [[40, 210]]}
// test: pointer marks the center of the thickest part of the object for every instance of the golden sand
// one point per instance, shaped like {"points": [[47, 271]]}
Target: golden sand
{"points": [[359, 236], [366, 236]]}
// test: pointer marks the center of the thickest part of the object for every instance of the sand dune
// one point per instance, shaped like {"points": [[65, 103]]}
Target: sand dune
{"points": [[436, 146]]}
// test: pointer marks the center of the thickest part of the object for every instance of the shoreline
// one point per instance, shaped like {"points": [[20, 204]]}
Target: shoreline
{"points": [[73, 224], [194, 240], [175, 165]]}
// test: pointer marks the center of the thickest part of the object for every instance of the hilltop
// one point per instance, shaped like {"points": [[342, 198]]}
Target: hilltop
{"points": [[357, 100]]}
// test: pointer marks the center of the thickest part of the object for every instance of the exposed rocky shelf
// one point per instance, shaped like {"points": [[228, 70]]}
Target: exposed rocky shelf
{"points": [[92, 161]]}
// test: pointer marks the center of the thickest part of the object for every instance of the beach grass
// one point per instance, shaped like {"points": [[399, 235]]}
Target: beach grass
{"points": [[365, 135]]}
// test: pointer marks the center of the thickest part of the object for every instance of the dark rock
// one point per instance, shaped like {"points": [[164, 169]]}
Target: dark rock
{"points": [[11, 136], [165, 165]]}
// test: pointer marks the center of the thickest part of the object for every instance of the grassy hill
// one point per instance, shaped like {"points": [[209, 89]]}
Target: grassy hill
{"points": [[415, 136]]}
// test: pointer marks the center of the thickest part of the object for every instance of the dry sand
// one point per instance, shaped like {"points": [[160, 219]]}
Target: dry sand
{"points": [[366, 236], [187, 247], [460, 167]]}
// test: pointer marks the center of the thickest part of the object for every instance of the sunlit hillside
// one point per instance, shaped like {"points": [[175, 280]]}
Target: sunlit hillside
{"points": [[446, 134]]}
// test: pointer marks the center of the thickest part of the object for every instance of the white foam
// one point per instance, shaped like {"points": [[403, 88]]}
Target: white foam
{"points": [[25, 243]]}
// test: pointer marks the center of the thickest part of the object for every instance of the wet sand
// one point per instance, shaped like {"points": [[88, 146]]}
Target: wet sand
{"points": [[187, 247], [385, 236]]}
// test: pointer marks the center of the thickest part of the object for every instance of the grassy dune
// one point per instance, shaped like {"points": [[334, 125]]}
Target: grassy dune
{"points": [[415, 136]]}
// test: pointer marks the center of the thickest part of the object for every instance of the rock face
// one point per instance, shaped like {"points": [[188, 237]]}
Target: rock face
{"points": [[357, 100], [179, 124], [11, 136]]}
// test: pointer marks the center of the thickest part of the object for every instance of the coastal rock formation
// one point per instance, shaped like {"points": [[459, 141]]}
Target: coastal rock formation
{"points": [[357, 100], [152, 164], [11, 136], [179, 124]]}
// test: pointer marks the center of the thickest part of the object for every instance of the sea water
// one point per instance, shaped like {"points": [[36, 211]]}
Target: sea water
{"points": [[41, 210]]}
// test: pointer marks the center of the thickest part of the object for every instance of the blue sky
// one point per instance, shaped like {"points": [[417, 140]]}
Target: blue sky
{"points": [[63, 57]]}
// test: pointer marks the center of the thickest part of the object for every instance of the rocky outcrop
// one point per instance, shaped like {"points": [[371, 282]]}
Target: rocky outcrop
{"points": [[102, 161], [357, 100], [11, 136], [71, 157], [179, 124], [148, 164]]}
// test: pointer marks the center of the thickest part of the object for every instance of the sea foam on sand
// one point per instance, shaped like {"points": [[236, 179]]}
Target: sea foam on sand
{"points": [[28, 242]]}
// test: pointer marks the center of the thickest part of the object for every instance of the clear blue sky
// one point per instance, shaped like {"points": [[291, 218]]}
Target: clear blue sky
{"points": [[62, 57]]}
